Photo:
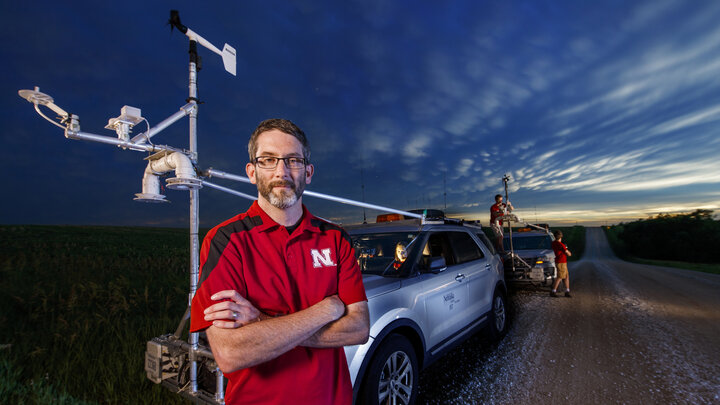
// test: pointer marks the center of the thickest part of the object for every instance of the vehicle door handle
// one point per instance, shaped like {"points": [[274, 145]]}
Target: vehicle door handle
{"points": [[487, 266], [460, 277]]}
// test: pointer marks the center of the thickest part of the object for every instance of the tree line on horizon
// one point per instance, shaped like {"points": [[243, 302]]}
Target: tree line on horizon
{"points": [[690, 237]]}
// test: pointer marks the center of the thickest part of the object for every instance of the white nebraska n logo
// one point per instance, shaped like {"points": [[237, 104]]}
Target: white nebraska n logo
{"points": [[321, 258]]}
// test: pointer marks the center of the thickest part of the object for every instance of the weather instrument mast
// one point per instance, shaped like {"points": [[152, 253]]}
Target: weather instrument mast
{"points": [[162, 160], [507, 218]]}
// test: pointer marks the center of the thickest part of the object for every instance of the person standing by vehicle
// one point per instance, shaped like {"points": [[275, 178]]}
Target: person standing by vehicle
{"points": [[497, 211], [561, 255], [281, 292]]}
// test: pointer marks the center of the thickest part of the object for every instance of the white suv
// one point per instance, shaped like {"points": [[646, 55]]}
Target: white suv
{"points": [[430, 286]]}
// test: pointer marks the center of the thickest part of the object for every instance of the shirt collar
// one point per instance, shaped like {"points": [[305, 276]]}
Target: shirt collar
{"points": [[307, 223]]}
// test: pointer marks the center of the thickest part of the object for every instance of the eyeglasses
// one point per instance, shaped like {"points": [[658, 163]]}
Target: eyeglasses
{"points": [[271, 162]]}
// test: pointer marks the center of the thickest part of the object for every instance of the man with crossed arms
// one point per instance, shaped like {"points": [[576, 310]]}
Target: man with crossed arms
{"points": [[281, 292]]}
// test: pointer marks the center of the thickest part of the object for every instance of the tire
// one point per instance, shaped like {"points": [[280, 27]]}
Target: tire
{"points": [[498, 316], [392, 376]]}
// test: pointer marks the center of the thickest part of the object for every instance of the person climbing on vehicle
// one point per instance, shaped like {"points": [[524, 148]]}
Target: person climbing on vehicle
{"points": [[497, 212]]}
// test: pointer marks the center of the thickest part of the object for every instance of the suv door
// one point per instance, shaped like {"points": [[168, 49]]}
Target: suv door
{"points": [[445, 293], [478, 273], [483, 276]]}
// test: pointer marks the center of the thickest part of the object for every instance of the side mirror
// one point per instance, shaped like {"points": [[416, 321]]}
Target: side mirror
{"points": [[437, 264]]}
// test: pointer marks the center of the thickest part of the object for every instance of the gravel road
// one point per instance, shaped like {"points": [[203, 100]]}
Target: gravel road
{"points": [[631, 333]]}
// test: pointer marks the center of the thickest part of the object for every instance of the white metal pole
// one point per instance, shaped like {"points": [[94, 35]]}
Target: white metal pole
{"points": [[229, 176], [145, 136], [220, 385], [86, 136], [194, 214], [228, 190]]}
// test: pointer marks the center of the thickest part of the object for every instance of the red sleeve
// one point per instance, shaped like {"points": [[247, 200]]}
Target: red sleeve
{"points": [[350, 285], [200, 301], [221, 269]]}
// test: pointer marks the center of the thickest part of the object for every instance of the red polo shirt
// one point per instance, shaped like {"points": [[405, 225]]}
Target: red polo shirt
{"points": [[281, 274], [559, 248], [496, 211]]}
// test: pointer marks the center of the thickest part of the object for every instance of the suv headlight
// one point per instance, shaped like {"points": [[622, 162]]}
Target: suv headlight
{"points": [[543, 260]]}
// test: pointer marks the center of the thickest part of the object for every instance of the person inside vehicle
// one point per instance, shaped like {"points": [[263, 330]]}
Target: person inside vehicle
{"points": [[280, 290], [400, 255]]}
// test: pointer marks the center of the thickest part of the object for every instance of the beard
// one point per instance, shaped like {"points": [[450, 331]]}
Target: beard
{"points": [[281, 199]]}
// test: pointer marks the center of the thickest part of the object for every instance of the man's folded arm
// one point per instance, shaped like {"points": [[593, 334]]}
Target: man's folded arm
{"points": [[264, 340], [352, 329]]}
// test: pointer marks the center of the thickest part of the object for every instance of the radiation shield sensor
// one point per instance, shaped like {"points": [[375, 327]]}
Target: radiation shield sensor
{"points": [[123, 124]]}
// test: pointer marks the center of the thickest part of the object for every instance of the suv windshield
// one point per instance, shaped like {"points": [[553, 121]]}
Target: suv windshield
{"points": [[528, 242], [377, 252]]}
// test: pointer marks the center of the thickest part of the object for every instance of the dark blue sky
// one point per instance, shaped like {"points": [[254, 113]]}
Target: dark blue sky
{"points": [[600, 111]]}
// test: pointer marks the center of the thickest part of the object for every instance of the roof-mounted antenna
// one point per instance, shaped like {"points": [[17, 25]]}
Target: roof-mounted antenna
{"points": [[445, 190], [227, 53], [362, 185]]}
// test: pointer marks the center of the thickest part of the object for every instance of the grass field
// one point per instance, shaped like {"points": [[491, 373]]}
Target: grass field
{"points": [[616, 243], [79, 304]]}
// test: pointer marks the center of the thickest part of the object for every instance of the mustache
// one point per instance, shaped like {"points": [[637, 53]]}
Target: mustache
{"points": [[282, 183]]}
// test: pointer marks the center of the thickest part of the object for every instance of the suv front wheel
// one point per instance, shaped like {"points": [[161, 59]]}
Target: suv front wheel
{"points": [[392, 377], [498, 316]]}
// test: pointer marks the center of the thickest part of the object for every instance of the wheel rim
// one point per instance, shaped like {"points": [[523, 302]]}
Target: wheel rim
{"points": [[499, 310], [396, 380]]}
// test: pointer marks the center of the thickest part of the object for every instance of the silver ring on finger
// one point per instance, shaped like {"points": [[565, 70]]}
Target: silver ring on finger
{"points": [[235, 315]]}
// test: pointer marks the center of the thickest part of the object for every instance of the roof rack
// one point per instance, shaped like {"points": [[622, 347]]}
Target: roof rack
{"points": [[429, 216]]}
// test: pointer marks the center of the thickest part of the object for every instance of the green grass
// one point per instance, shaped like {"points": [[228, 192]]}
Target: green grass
{"points": [[79, 304], [620, 249], [14, 391]]}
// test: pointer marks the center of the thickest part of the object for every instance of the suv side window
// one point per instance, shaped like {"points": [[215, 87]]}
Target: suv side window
{"points": [[438, 245], [484, 239], [465, 248]]}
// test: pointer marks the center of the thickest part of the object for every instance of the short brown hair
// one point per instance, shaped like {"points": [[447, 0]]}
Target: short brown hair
{"points": [[286, 126], [557, 233]]}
